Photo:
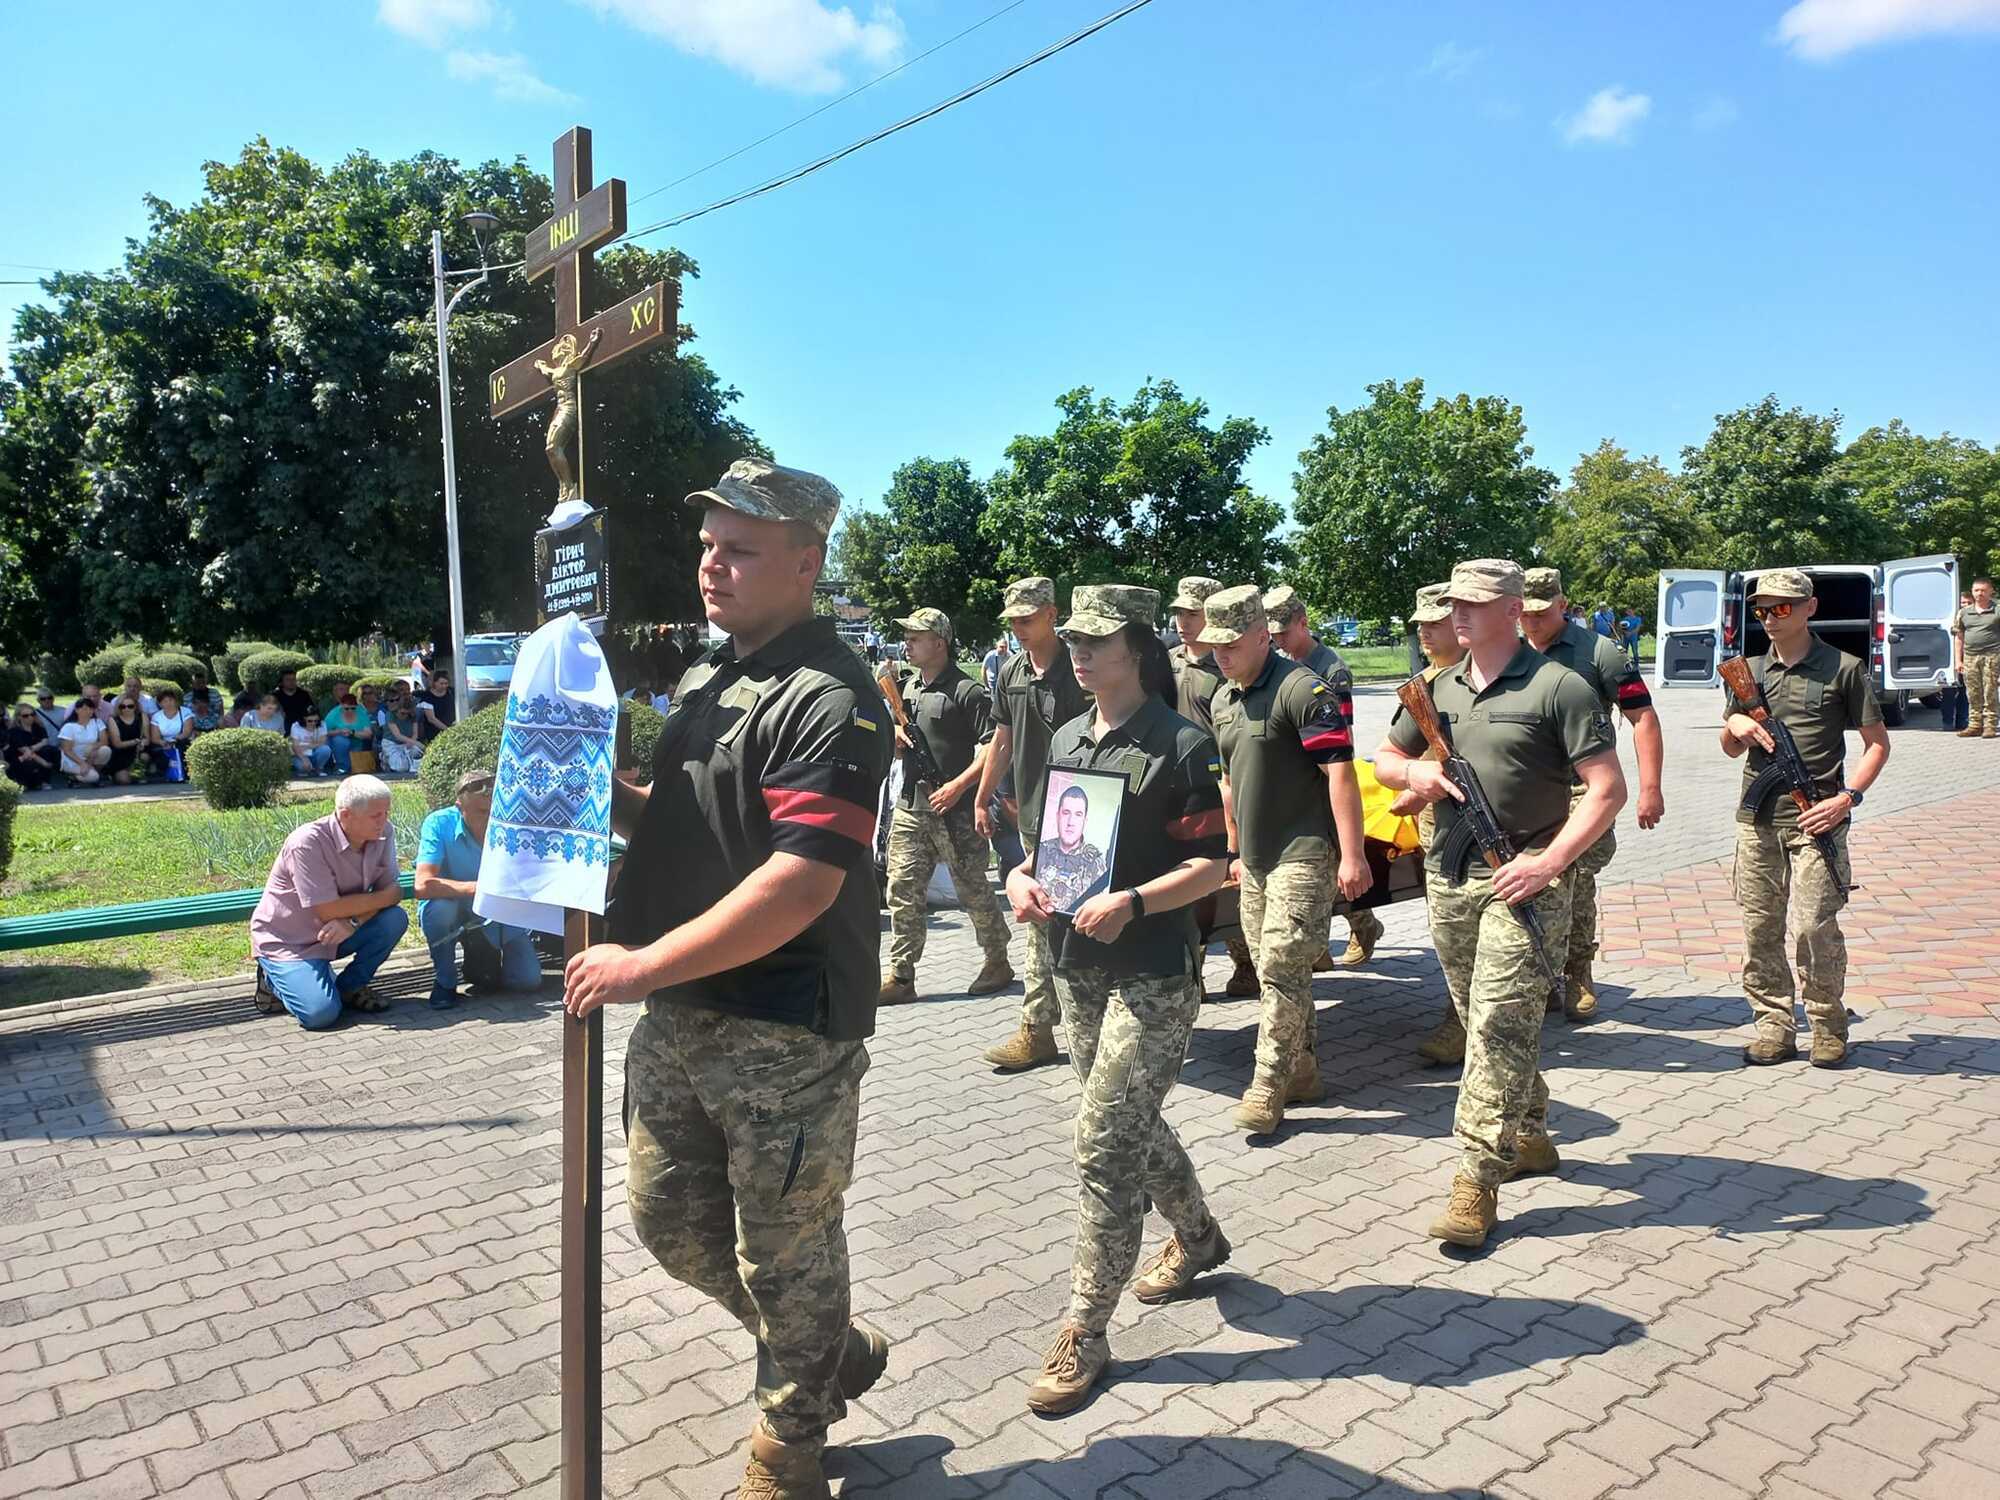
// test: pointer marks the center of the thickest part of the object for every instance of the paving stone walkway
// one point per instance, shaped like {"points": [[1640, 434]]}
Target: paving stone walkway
{"points": [[240, 1261]]}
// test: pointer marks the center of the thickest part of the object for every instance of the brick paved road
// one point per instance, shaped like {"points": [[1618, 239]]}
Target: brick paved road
{"points": [[239, 1261]]}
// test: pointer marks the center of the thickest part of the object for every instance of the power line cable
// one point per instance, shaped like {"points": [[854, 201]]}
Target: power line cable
{"points": [[831, 103], [787, 178]]}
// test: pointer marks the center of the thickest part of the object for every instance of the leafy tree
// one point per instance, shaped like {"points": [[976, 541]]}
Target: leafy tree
{"points": [[1394, 493], [1618, 522], [924, 547], [1143, 492], [237, 433], [1767, 482], [1938, 494]]}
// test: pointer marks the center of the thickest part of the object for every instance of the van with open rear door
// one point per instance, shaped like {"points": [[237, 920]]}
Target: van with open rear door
{"points": [[1894, 616]]}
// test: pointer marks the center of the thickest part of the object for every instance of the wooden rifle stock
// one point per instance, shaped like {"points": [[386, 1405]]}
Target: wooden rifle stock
{"points": [[1415, 696], [1740, 680]]}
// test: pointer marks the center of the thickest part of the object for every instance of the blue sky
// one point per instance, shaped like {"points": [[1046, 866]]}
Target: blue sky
{"points": [[1626, 219]]}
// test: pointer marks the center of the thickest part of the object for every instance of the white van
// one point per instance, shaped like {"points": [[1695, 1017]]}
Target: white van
{"points": [[1895, 616]]}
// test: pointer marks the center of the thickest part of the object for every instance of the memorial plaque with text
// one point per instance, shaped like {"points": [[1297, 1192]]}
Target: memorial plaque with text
{"points": [[572, 571]]}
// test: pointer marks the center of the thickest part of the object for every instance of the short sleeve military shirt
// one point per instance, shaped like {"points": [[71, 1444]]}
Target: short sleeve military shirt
{"points": [[1335, 673], [1274, 736], [1196, 680], [1980, 627], [1605, 668], [781, 751], [1033, 707], [1819, 698], [955, 716], [1524, 734]]}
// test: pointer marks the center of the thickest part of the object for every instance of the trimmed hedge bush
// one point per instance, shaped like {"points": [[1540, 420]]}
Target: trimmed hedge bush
{"points": [[175, 666], [106, 668], [10, 803], [475, 743], [15, 679], [55, 674], [239, 767], [158, 685], [325, 683], [228, 663], [378, 680], [260, 671]]}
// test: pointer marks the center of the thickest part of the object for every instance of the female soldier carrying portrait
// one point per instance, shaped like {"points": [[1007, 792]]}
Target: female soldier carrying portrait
{"points": [[1127, 974]]}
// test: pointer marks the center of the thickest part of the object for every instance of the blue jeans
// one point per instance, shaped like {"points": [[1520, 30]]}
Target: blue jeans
{"points": [[318, 759], [445, 922], [308, 986], [338, 746]]}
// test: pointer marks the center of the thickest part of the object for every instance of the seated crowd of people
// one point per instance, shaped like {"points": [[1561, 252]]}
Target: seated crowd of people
{"points": [[130, 736]]}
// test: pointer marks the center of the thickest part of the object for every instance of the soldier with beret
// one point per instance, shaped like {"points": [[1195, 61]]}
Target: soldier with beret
{"points": [[1128, 974], [745, 919], [1292, 631], [1819, 694], [1526, 724], [1037, 695], [1614, 676], [1294, 812]]}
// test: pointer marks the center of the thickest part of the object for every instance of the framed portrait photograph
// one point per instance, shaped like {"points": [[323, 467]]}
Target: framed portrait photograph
{"points": [[1079, 844]]}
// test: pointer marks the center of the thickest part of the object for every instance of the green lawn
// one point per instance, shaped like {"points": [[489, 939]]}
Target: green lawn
{"points": [[75, 854]]}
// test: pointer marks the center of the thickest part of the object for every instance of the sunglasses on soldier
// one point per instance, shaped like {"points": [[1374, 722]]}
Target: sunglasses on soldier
{"points": [[1781, 610]]}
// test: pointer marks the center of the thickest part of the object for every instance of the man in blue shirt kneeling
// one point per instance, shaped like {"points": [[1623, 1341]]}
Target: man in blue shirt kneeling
{"points": [[448, 849]]}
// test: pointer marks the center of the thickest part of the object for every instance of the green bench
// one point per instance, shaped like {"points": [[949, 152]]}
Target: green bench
{"points": [[90, 923]]}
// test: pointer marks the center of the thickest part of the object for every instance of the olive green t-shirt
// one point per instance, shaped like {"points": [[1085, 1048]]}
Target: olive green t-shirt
{"points": [[1524, 733], [1980, 627], [1819, 698], [1197, 679], [1033, 708], [1274, 736], [952, 714], [1603, 665]]}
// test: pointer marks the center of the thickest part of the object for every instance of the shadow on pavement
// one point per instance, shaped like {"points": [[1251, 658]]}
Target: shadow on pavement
{"points": [[66, 981]]}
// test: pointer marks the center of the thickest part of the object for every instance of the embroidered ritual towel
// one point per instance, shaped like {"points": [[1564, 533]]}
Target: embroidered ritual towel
{"points": [[548, 845]]}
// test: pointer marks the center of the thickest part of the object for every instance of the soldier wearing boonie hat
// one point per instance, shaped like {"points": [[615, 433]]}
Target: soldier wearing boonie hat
{"points": [[1526, 725], [1818, 693], [1127, 973], [1288, 777], [950, 713], [743, 1085], [1036, 695], [1291, 630], [1614, 677]]}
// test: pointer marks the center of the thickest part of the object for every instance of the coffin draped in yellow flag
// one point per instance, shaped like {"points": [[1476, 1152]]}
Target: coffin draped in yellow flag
{"points": [[1377, 822]]}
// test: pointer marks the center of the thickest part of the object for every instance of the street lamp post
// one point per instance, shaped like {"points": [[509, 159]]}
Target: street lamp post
{"points": [[481, 225]]}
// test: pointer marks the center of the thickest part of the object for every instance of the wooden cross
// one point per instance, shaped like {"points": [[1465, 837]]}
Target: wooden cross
{"points": [[585, 217]]}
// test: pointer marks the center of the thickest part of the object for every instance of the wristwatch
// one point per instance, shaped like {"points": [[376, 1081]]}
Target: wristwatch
{"points": [[1853, 795], [1138, 901]]}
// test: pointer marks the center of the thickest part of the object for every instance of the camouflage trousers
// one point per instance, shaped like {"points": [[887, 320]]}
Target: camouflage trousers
{"points": [[1285, 913], [1582, 878], [1128, 1038], [1040, 1007], [1778, 867], [917, 841], [1982, 711], [740, 1139], [1500, 996]]}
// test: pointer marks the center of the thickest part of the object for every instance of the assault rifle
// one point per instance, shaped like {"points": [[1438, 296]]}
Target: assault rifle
{"points": [[922, 764], [1477, 823], [1787, 769]]}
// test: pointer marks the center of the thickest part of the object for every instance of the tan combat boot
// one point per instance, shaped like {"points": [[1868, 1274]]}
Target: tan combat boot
{"points": [[1772, 1045], [1470, 1216], [896, 990], [1306, 1087], [1989, 732], [1243, 983], [1028, 1047], [1260, 1111], [863, 1360], [993, 976], [1970, 732], [1322, 962], [782, 1471], [1073, 1364], [1366, 933], [1534, 1155], [1174, 1269], [1579, 993], [1445, 1046], [1828, 1050]]}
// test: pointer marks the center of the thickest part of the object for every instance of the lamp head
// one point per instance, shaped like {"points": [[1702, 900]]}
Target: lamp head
{"points": [[481, 224]]}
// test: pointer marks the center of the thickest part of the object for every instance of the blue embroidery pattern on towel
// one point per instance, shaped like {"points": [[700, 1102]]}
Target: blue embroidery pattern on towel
{"points": [[552, 798]]}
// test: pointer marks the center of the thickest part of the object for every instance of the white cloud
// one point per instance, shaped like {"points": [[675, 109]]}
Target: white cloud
{"points": [[1822, 29], [433, 22], [1450, 61], [1608, 118], [795, 44], [1717, 114], [510, 74]]}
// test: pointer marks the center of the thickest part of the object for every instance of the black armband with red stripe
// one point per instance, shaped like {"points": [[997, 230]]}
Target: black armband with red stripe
{"points": [[821, 810]]}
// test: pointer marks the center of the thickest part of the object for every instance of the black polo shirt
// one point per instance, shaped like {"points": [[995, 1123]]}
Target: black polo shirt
{"points": [[1171, 813], [294, 705], [1033, 708], [782, 751], [1196, 679], [955, 716], [1275, 735]]}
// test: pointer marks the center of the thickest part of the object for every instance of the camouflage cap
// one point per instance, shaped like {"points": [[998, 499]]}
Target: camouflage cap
{"points": [[1100, 609], [1782, 583], [1282, 603], [1192, 593], [1231, 614], [1484, 579], [771, 492], [936, 621], [1026, 595], [1432, 605], [1540, 587]]}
